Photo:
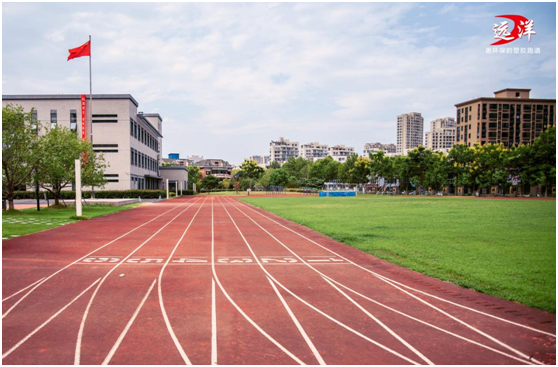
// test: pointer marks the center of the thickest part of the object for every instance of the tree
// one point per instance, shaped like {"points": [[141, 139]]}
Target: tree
{"points": [[382, 166], [489, 165], [544, 157], [264, 180], [210, 182], [401, 168], [93, 168], [437, 175], [460, 158], [346, 169], [420, 160], [274, 165], [297, 168], [325, 169], [226, 183], [194, 174], [361, 170], [251, 170], [59, 148], [279, 177], [19, 149]]}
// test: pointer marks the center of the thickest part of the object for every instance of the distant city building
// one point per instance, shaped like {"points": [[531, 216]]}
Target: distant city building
{"points": [[175, 160], [262, 160], [510, 117], [283, 149], [376, 147], [340, 153], [194, 158], [410, 127], [130, 141], [313, 151], [441, 136], [215, 167]]}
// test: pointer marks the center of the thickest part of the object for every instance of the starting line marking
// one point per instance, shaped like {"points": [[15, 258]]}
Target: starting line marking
{"points": [[205, 260]]}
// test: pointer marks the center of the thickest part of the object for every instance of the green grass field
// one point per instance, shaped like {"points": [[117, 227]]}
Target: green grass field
{"points": [[27, 221], [506, 248]]}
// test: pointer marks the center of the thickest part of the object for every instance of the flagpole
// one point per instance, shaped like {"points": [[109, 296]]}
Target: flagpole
{"points": [[90, 96]]}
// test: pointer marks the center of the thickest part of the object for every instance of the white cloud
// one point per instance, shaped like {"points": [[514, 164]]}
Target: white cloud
{"points": [[253, 72]]}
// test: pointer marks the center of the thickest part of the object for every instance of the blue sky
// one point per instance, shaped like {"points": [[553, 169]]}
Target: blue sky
{"points": [[228, 78]]}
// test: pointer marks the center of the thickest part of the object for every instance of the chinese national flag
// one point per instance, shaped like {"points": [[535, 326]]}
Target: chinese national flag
{"points": [[83, 50]]}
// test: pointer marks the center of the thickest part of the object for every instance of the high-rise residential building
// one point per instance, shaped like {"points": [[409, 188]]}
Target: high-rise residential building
{"points": [[262, 160], [130, 141], [340, 153], [410, 127], [281, 150], [376, 147], [313, 151], [510, 117], [441, 136]]}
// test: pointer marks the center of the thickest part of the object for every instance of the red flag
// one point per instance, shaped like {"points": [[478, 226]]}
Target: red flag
{"points": [[83, 50]]}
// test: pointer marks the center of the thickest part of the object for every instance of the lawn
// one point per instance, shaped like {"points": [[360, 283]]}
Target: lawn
{"points": [[26, 221], [506, 248]]}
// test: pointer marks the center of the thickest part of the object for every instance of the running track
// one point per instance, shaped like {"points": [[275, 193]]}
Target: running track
{"points": [[211, 280]]}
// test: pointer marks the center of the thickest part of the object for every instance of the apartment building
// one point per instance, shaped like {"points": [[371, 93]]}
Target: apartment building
{"points": [[215, 167], [283, 149], [410, 127], [130, 141], [313, 151], [262, 160], [389, 149], [340, 153], [441, 136], [510, 117]]}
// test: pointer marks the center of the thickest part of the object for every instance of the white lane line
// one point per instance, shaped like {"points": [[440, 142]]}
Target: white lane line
{"points": [[128, 326], [81, 258], [466, 324], [312, 307], [86, 313], [394, 281], [431, 325], [385, 327], [298, 325], [21, 290], [213, 324], [375, 319], [277, 344], [387, 280], [47, 321], [160, 292]]}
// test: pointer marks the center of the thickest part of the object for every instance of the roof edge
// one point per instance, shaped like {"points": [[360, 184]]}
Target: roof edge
{"points": [[67, 96]]}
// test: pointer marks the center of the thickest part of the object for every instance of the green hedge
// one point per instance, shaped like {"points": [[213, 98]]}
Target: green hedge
{"points": [[107, 194]]}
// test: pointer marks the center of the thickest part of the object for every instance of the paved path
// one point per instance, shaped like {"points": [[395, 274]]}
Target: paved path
{"points": [[211, 280]]}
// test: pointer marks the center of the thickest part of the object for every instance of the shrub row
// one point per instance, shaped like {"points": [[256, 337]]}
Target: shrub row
{"points": [[107, 194], [303, 190]]}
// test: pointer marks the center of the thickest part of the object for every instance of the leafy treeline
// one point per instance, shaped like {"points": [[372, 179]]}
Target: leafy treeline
{"points": [[474, 167], [29, 157]]}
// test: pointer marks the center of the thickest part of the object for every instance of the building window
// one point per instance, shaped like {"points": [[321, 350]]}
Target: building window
{"points": [[34, 120], [131, 127], [53, 118], [73, 120], [517, 94]]}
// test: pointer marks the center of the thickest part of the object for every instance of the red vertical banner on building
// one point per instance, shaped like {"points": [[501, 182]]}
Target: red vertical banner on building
{"points": [[83, 116]]}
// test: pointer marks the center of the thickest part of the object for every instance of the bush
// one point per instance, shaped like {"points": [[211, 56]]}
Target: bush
{"points": [[108, 194]]}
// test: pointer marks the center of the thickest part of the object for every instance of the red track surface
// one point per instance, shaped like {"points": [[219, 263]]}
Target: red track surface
{"points": [[212, 280]]}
